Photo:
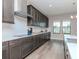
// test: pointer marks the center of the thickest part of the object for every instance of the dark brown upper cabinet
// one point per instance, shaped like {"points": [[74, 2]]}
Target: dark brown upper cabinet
{"points": [[37, 19], [8, 11]]}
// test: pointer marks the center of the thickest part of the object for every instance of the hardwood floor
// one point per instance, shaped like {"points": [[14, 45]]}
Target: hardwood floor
{"points": [[50, 50]]}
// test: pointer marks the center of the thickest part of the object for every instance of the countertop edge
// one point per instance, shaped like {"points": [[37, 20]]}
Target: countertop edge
{"points": [[14, 38]]}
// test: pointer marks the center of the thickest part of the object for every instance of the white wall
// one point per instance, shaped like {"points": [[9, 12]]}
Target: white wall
{"points": [[62, 18], [20, 27]]}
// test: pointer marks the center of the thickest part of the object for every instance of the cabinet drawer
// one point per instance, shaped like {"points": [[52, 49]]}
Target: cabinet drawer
{"points": [[4, 44], [15, 42], [27, 40]]}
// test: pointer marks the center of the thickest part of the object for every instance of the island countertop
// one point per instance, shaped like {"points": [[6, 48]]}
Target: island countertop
{"points": [[72, 47], [13, 37]]}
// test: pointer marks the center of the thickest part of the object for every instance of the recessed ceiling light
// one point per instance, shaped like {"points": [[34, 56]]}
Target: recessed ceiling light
{"points": [[76, 16], [71, 17], [50, 5]]}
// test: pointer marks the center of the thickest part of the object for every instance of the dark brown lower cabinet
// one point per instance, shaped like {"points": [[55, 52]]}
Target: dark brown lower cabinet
{"points": [[41, 41], [27, 46], [35, 42], [47, 36], [5, 50], [22, 47], [15, 49]]}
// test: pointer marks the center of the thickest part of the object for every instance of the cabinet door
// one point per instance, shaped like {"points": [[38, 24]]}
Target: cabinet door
{"points": [[47, 22], [38, 19], [15, 49], [47, 36], [33, 15], [36, 41], [41, 40], [8, 11], [28, 10], [5, 51], [27, 45]]}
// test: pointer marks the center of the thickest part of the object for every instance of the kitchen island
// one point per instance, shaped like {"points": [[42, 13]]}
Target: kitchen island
{"points": [[20, 46], [70, 43]]}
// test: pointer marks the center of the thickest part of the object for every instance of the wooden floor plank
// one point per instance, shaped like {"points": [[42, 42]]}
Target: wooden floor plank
{"points": [[50, 50]]}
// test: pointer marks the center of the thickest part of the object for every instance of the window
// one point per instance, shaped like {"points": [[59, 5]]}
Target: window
{"points": [[66, 27], [56, 27]]}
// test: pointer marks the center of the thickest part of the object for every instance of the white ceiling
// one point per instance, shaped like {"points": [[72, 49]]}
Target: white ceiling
{"points": [[58, 6]]}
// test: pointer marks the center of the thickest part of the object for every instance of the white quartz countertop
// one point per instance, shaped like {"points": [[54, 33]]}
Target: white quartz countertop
{"points": [[13, 37], [72, 47], [72, 50]]}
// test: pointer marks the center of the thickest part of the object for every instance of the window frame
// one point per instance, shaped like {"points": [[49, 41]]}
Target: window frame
{"points": [[63, 26], [54, 26]]}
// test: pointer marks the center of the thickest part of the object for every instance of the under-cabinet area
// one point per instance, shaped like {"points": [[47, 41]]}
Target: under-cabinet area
{"points": [[21, 47]]}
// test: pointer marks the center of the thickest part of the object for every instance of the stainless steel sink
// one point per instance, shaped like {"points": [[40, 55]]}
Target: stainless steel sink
{"points": [[20, 35]]}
